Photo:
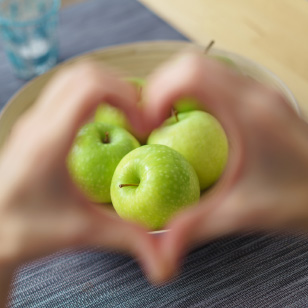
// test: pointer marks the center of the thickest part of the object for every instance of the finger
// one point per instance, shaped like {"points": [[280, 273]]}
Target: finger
{"points": [[194, 75], [108, 230], [66, 103], [80, 225], [211, 219], [219, 90], [88, 84], [233, 99], [236, 101], [222, 91], [74, 94]]}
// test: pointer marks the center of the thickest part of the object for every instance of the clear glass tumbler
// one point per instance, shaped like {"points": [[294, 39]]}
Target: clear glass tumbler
{"points": [[29, 32]]}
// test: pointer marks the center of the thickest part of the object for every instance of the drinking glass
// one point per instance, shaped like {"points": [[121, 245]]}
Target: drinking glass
{"points": [[29, 32]]}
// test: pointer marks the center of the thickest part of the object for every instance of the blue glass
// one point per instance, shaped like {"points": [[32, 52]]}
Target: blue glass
{"points": [[29, 32]]}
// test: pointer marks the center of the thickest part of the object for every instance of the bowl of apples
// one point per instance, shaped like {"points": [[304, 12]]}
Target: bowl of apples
{"points": [[146, 183]]}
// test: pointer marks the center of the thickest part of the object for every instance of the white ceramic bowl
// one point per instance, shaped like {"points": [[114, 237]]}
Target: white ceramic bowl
{"points": [[137, 59]]}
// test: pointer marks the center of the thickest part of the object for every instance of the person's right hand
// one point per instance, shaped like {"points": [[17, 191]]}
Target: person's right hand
{"points": [[264, 186], [41, 211]]}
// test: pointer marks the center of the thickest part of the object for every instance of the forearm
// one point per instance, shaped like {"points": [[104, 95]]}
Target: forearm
{"points": [[6, 277]]}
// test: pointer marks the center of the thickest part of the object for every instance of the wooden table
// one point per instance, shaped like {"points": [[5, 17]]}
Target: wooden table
{"points": [[271, 32]]}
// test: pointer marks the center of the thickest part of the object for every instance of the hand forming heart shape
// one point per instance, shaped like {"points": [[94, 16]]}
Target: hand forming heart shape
{"points": [[41, 211]]}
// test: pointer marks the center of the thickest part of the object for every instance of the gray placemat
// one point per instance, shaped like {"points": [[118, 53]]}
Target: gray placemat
{"points": [[245, 271]]}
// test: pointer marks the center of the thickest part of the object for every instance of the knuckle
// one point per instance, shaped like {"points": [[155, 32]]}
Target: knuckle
{"points": [[264, 105], [87, 76], [277, 100], [80, 229], [193, 66], [273, 99], [85, 69], [23, 127], [84, 75]]}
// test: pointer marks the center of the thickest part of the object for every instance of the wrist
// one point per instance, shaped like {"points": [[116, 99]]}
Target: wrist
{"points": [[9, 239], [6, 278]]}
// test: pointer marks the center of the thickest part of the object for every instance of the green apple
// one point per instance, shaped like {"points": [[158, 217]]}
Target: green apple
{"points": [[199, 137], [108, 114], [186, 104], [151, 184], [138, 82], [96, 152], [111, 115]]}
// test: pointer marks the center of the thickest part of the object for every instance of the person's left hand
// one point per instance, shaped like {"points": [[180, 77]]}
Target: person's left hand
{"points": [[41, 211], [264, 185]]}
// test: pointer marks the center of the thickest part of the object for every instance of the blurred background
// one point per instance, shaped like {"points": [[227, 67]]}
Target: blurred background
{"points": [[245, 271], [68, 2]]}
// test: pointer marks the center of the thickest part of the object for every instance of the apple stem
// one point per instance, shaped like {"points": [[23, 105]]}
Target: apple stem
{"points": [[174, 113], [125, 185], [209, 46], [106, 139]]}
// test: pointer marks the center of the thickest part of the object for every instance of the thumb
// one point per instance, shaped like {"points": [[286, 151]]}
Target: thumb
{"points": [[212, 218], [113, 233]]}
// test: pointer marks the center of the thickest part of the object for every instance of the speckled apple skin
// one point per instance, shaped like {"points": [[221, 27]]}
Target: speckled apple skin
{"points": [[91, 162], [200, 138], [167, 184]]}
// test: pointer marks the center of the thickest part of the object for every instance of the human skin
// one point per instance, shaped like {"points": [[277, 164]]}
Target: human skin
{"points": [[263, 187], [41, 211]]}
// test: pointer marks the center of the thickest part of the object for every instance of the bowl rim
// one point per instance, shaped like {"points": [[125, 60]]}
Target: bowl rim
{"points": [[182, 44], [159, 232], [82, 55]]}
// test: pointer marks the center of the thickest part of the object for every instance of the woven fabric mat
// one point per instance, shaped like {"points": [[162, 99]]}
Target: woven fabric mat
{"points": [[244, 271]]}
